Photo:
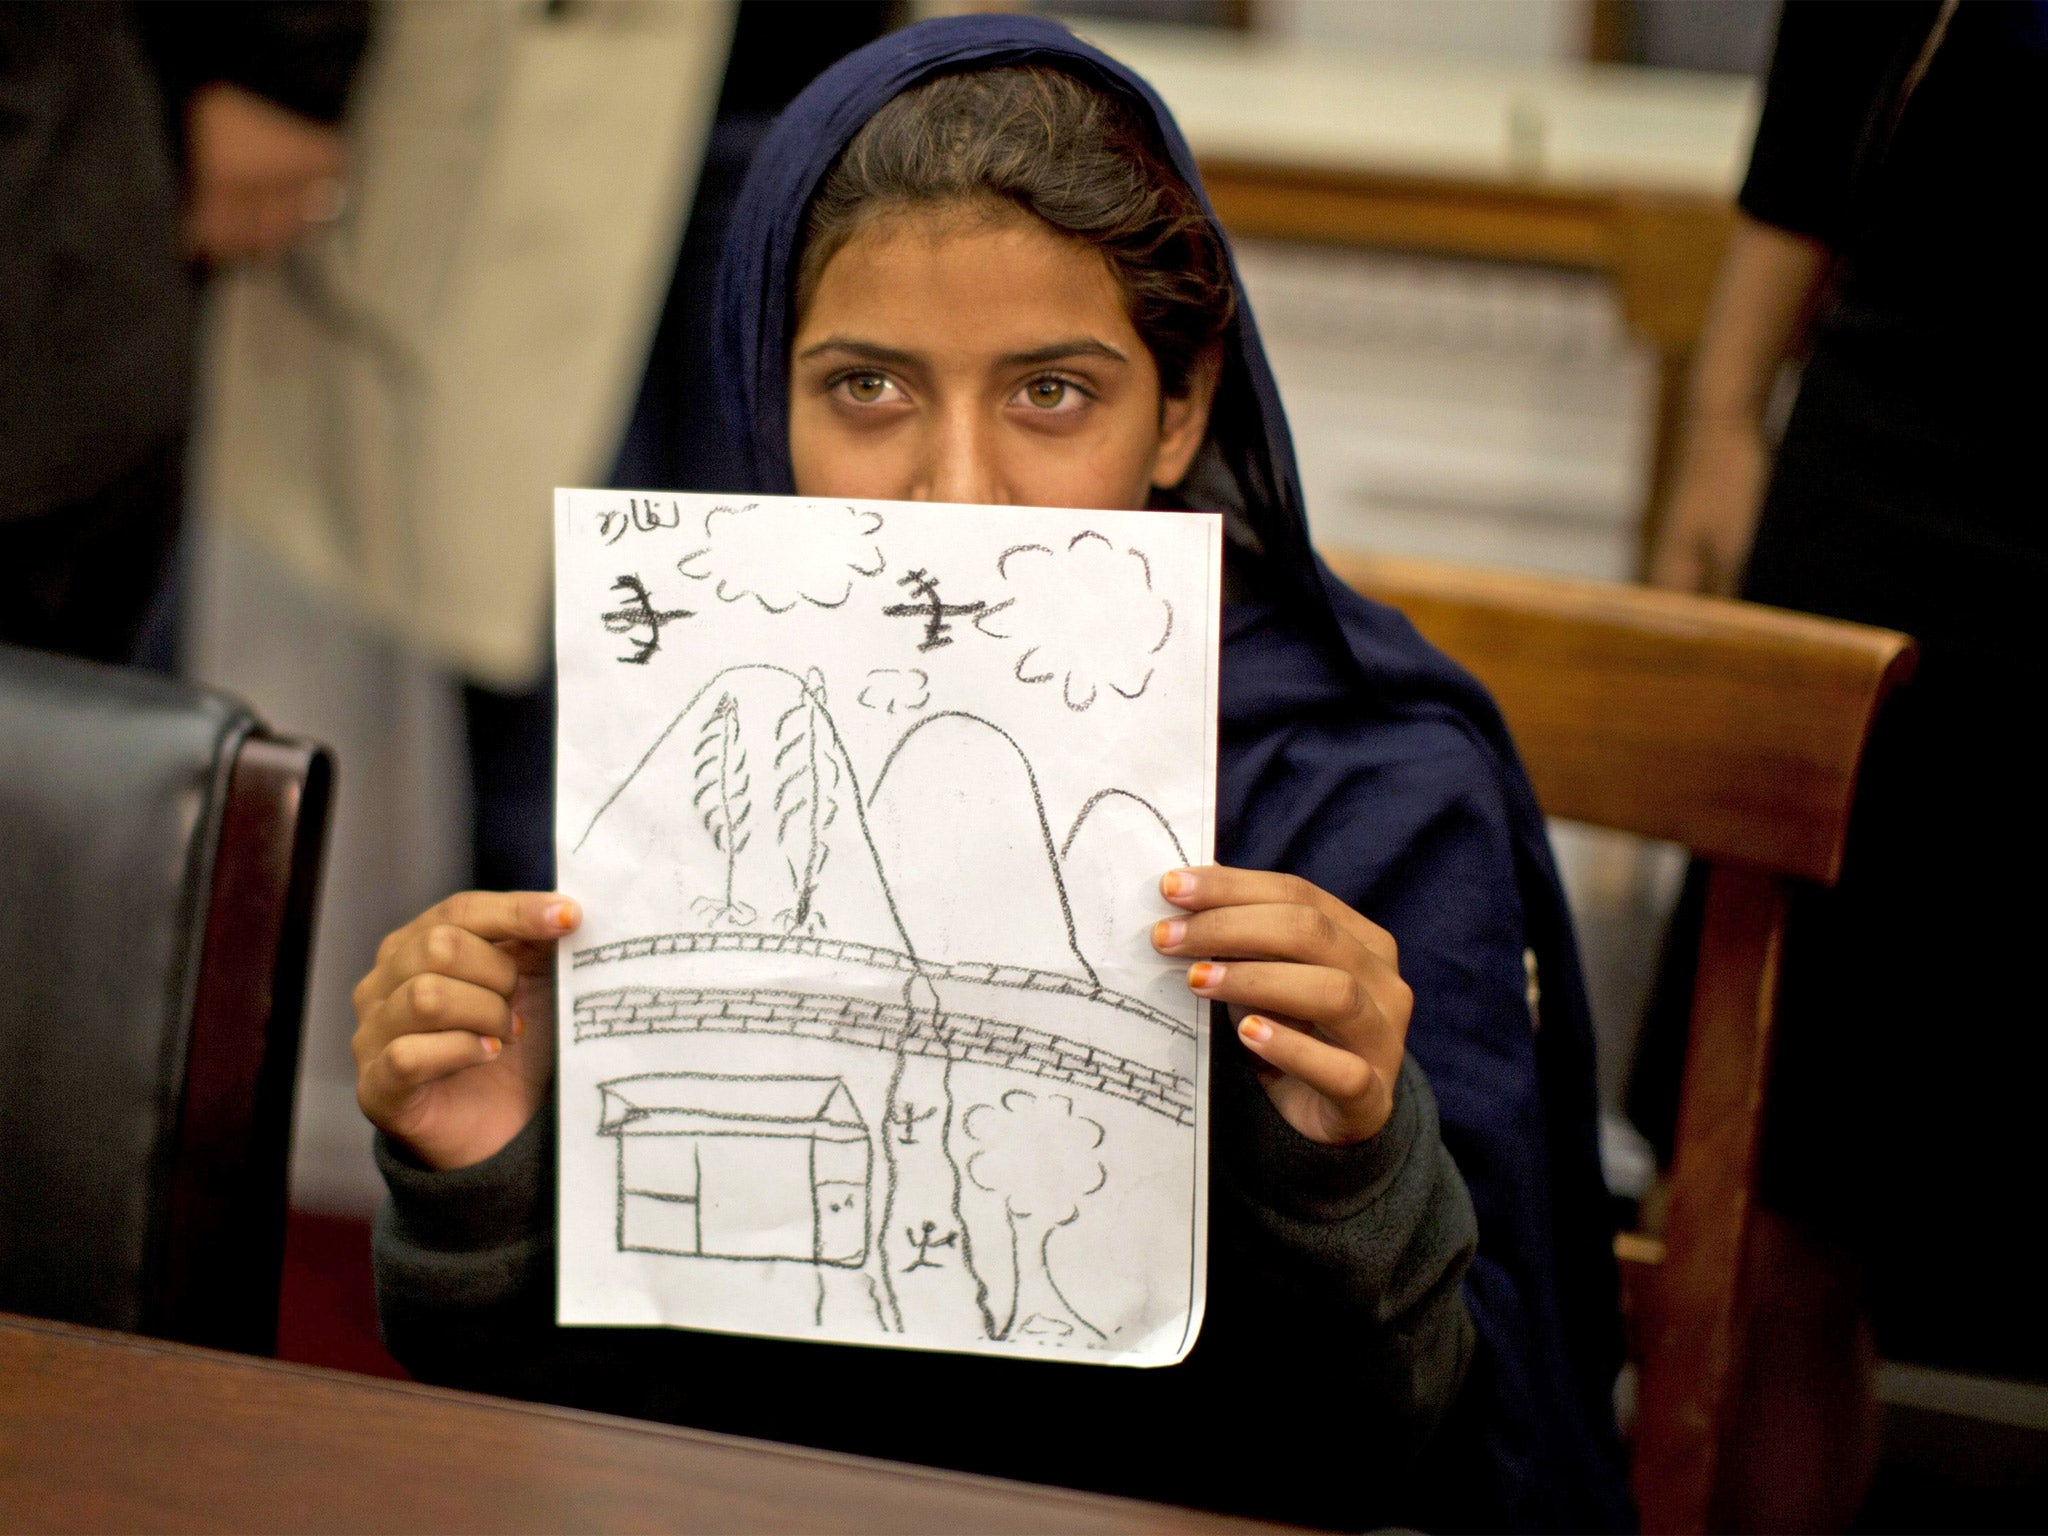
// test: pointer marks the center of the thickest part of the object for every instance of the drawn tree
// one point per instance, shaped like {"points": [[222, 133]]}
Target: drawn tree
{"points": [[805, 807], [1039, 1157], [724, 802]]}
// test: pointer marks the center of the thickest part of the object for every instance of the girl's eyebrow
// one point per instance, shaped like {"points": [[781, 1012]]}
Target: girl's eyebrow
{"points": [[866, 351], [875, 352], [1079, 347]]}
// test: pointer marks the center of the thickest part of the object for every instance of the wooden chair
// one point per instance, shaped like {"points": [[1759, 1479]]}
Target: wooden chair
{"points": [[162, 858], [1736, 731]]}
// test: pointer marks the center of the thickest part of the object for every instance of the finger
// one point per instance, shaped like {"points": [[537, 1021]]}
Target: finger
{"points": [[214, 226], [1288, 931], [443, 949], [1335, 1002], [324, 199], [238, 225], [1348, 1081], [493, 916], [1218, 885], [278, 223], [411, 1062], [428, 1005]]}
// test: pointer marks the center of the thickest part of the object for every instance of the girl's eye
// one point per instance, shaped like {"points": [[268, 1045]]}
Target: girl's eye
{"points": [[865, 388], [1053, 394]]}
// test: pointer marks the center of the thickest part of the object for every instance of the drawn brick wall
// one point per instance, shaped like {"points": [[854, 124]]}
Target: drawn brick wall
{"points": [[878, 1026], [978, 972]]}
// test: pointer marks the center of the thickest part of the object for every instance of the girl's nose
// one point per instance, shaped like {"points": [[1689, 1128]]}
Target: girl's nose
{"points": [[960, 463]]}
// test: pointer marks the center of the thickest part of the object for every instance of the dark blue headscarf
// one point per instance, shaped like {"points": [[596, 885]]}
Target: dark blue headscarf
{"points": [[1353, 754]]}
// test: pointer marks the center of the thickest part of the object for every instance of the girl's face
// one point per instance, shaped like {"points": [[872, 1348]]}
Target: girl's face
{"points": [[977, 356]]}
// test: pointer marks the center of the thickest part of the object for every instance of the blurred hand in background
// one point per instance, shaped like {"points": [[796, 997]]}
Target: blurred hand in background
{"points": [[1769, 284], [259, 176]]}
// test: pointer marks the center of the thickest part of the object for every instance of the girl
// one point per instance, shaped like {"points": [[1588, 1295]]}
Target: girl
{"points": [[972, 264]]}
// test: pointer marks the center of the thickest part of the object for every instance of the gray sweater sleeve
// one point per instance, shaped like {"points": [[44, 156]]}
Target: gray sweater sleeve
{"points": [[1363, 1248], [465, 1268]]}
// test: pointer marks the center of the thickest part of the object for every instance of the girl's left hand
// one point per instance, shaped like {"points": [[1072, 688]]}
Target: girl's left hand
{"points": [[1316, 991]]}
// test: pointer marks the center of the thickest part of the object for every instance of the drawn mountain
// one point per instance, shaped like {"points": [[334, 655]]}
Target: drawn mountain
{"points": [[958, 778], [748, 819], [1111, 860], [749, 793]]}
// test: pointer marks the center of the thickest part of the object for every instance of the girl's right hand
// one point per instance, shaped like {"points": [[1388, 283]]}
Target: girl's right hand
{"points": [[454, 1039]]}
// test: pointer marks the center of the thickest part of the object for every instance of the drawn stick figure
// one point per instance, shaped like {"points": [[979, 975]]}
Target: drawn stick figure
{"points": [[639, 612], [924, 1242], [927, 606], [909, 1117]]}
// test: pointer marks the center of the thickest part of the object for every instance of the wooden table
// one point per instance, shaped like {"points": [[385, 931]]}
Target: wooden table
{"points": [[106, 1432], [1627, 172]]}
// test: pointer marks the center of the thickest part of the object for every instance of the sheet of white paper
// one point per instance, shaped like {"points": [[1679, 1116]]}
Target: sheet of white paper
{"points": [[862, 1039]]}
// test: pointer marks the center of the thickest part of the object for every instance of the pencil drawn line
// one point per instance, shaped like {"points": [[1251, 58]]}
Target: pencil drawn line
{"points": [[748, 551], [1067, 847], [797, 731], [969, 1039], [892, 1306], [662, 1205], [1038, 1156], [888, 687], [641, 515], [1038, 810], [1085, 627], [639, 612], [1165, 634], [720, 761], [927, 606], [824, 716], [1053, 1280], [1003, 560], [988, 1318], [975, 972]]}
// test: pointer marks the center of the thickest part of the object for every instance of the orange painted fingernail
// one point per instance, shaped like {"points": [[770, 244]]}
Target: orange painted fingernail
{"points": [[1256, 1030], [1168, 932], [1178, 882], [1204, 974], [561, 914], [492, 1046], [518, 1026]]}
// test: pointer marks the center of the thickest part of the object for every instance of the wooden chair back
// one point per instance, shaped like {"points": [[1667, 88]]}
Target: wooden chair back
{"points": [[1738, 732], [228, 1188]]}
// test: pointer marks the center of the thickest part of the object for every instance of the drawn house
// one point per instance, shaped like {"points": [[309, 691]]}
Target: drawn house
{"points": [[745, 1168]]}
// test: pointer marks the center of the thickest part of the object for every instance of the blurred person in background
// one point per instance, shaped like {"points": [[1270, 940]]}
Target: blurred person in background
{"points": [[1887, 215], [103, 109], [517, 297]]}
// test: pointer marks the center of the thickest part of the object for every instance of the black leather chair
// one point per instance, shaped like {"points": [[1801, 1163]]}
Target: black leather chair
{"points": [[159, 860]]}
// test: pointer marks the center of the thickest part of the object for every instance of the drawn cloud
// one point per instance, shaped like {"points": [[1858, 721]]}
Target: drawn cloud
{"points": [[782, 554], [891, 688], [1083, 616]]}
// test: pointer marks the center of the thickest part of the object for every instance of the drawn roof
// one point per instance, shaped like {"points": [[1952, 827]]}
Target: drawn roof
{"points": [[679, 1103]]}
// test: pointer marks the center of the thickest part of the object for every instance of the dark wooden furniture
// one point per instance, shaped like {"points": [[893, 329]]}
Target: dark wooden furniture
{"points": [[107, 1432], [224, 1247], [1737, 731], [163, 852], [1661, 250]]}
